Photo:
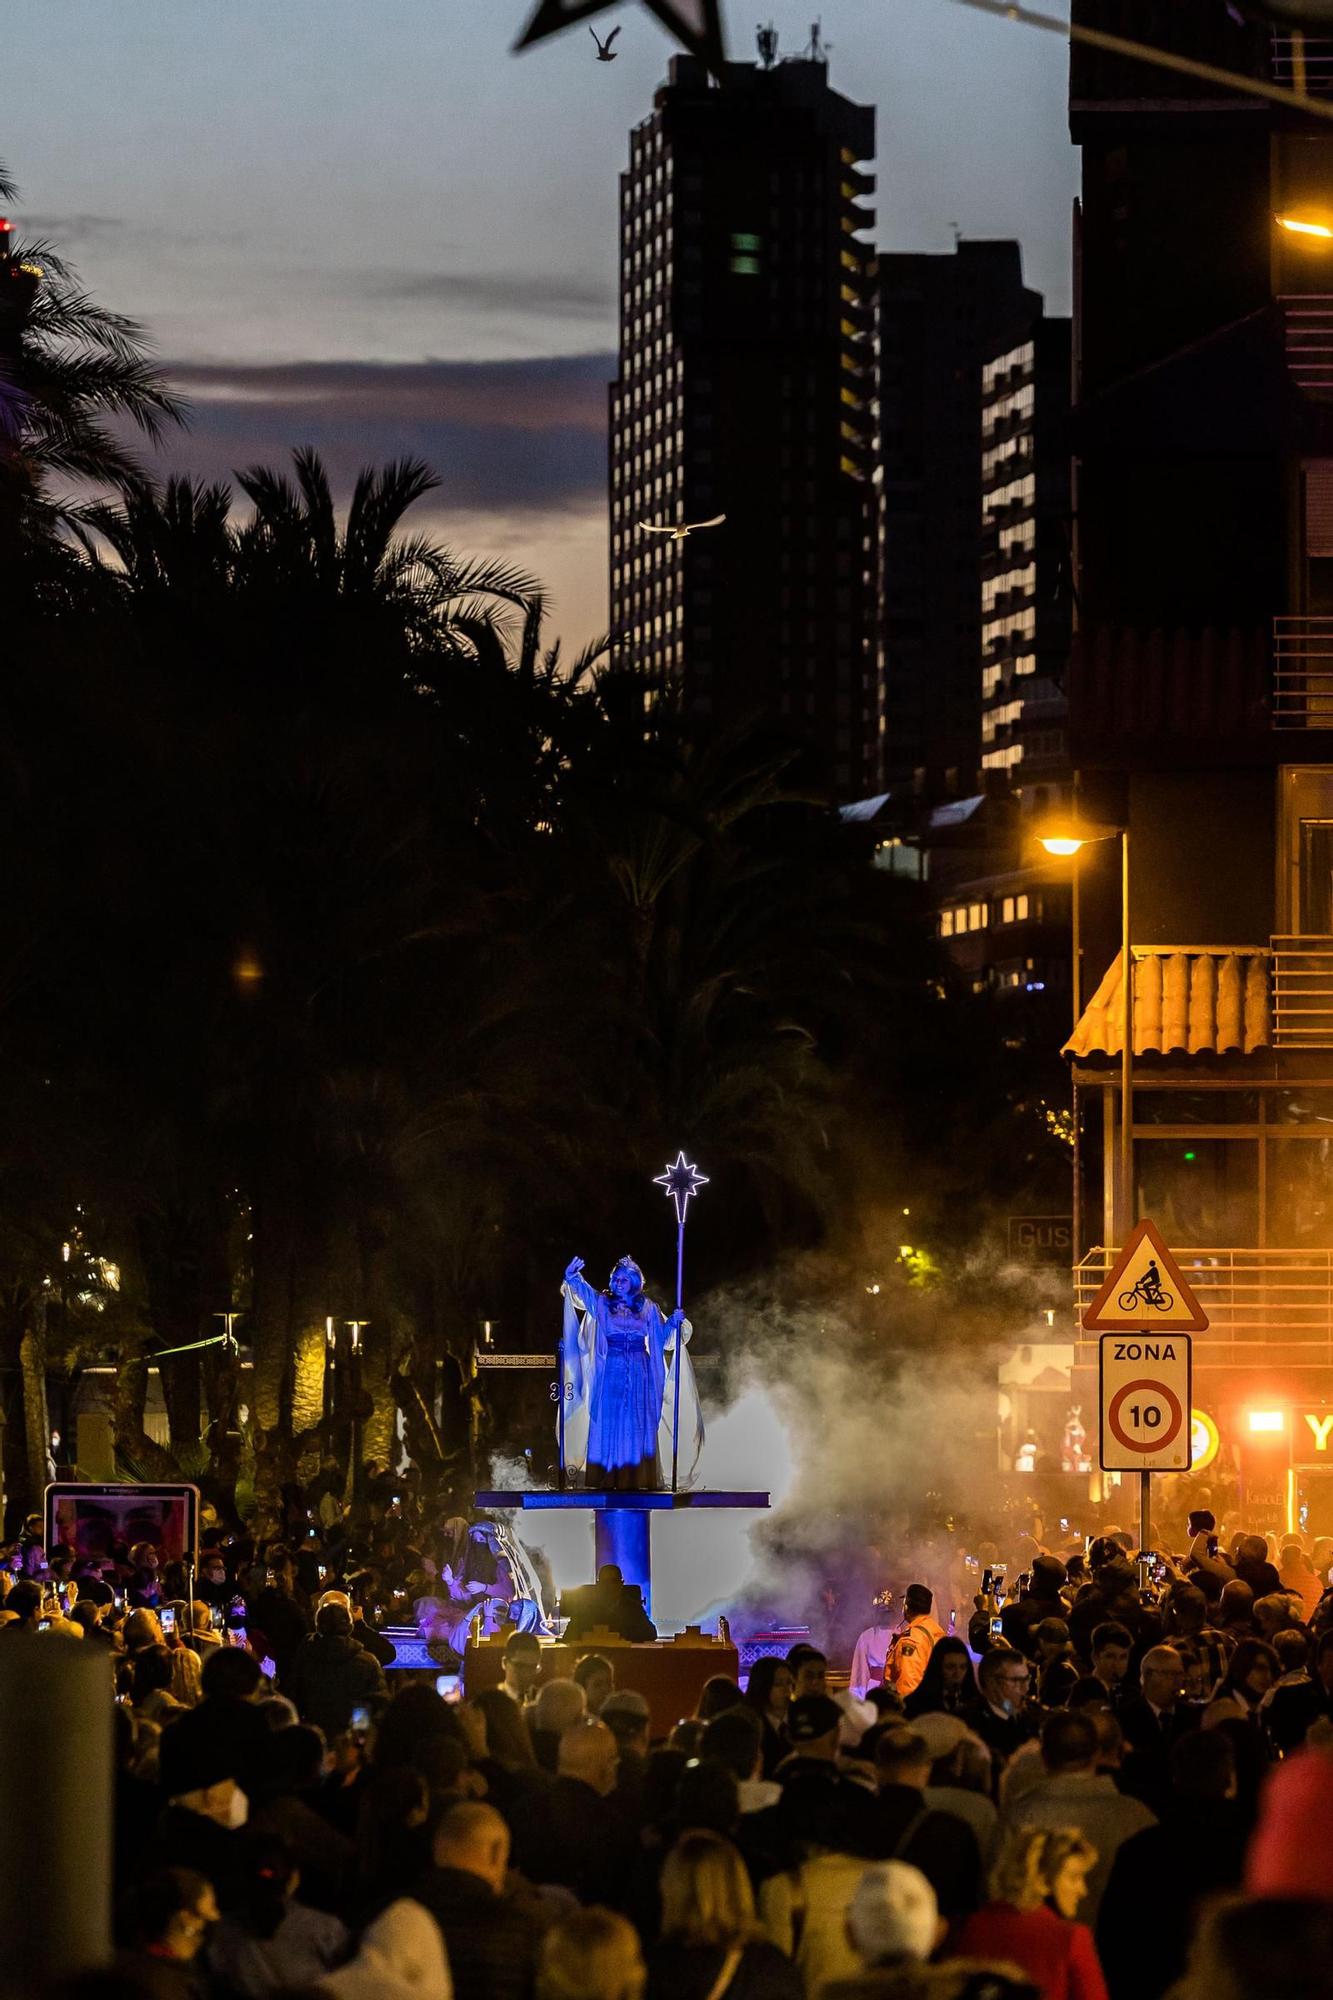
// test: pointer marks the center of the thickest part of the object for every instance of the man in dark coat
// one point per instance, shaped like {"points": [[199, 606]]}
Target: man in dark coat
{"points": [[491, 1939], [1161, 1876], [331, 1674]]}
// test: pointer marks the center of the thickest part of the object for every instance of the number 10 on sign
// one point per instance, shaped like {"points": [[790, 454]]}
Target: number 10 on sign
{"points": [[1145, 1402]]}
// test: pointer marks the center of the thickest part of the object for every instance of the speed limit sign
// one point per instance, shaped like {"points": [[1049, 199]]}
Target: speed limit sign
{"points": [[1145, 1402]]}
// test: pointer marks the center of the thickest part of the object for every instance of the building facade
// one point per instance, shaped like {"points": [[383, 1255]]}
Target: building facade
{"points": [[1003, 910], [745, 388], [939, 320], [1201, 715]]}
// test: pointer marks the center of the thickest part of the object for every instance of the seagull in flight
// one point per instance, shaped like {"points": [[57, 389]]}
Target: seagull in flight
{"points": [[679, 530], [605, 52]]}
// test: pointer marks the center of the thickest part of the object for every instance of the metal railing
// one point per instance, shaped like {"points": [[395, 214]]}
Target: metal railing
{"points": [[1302, 992], [1307, 321], [1303, 673], [1264, 1307], [1304, 62]]}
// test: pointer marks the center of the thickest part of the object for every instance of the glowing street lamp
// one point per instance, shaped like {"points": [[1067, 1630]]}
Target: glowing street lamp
{"points": [[1069, 841]]}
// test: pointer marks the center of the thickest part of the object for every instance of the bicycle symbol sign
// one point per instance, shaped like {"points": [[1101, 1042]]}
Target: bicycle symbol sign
{"points": [[1147, 1292], [1145, 1287]]}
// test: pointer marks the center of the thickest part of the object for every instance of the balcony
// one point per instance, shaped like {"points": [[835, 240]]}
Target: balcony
{"points": [[1304, 62], [1303, 673], [1266, 1308], [1302, 989], [1307, 333]]}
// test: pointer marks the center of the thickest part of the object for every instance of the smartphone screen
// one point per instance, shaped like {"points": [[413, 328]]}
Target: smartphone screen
{"points": [[996, 1627], [987, 1582], [168, 1620], [360, 1721]]}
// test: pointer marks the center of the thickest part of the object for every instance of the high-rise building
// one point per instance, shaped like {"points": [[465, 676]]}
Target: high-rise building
{"points": [[745, 389], [939, 319], [1003, 909]]}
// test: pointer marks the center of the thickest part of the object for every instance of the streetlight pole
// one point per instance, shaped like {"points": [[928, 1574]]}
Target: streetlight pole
{"points": [[1069, 843]]}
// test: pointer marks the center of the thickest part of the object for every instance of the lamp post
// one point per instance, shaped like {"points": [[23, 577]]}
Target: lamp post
{"points": [[1071, 842]]}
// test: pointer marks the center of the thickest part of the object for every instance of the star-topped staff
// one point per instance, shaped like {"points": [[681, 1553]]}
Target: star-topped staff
{"points": [[681, 1181], [696, 24]]}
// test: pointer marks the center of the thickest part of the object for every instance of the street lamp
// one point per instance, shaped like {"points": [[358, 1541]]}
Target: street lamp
{"points": [[1069, 841]]}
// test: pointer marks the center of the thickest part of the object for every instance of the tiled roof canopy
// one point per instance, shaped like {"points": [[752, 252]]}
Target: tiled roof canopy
{"points": [[1207, 1000]]}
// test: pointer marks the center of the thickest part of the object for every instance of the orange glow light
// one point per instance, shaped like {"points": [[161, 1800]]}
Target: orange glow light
{"points": [[1268, 1420]]}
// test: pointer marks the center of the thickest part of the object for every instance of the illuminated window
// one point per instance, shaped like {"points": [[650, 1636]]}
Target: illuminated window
{"points": [[745, 267], [946, 923], [742, 240], [1007, 910], [1021, 908]]}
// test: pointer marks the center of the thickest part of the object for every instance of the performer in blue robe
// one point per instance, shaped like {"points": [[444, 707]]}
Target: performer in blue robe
{"points": [[620, 1356]]}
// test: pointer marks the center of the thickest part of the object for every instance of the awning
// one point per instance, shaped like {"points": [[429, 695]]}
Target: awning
{"points": [[1199, 1000]]}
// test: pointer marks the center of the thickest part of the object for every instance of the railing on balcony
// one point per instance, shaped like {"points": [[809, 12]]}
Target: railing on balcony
{"points": [[1269, 1307], [1304, 62], [1302, 989], [1303, 673], [1307, 325]]}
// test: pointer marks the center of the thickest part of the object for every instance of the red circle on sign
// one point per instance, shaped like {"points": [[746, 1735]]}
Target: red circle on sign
{"points": [[1164, 1395]]}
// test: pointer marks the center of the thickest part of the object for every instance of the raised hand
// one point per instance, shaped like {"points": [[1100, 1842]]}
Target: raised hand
{"points": [[676, 1321], [574, 1266]]}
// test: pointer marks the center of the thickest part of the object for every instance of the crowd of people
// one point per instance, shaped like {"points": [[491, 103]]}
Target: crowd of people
{"points": [[1118, 1781]]}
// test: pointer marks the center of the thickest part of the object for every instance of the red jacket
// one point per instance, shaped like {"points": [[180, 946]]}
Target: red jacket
{"points": [[1059, 1957]]}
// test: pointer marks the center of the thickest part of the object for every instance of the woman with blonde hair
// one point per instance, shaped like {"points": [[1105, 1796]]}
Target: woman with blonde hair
{"points": [[590, 1954], [713, 1947], [1037, 1884]]}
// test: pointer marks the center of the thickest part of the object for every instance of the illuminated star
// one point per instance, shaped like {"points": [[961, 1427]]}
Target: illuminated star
{"points": [[696, 24], [681, 1181]]}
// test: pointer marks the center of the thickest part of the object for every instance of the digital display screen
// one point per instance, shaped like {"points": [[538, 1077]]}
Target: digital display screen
{"points": [[94, 1519]]}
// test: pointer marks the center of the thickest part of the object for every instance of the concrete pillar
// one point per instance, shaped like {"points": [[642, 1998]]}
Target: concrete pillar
{"points": [[56, 1784]]}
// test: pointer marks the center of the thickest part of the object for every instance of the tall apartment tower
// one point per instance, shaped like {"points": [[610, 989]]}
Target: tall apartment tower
{"points": [[939, 320], [745, 389], [1026, 532], [995, 745]]}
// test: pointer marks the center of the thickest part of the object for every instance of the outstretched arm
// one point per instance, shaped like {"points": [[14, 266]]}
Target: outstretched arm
{"points": [[579, 1285]]}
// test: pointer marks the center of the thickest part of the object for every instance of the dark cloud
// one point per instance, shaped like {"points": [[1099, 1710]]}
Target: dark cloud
{"points": [[505, 294], [505, 435]]}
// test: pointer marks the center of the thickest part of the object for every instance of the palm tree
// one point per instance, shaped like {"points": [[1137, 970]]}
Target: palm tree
{"points": [[67, 366]]}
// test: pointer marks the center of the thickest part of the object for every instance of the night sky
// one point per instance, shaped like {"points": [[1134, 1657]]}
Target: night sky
{"points": [[362, 224]]}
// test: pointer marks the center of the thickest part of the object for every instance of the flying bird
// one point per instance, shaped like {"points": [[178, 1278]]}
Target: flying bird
{"points": [[679, 530], [605, 52]]}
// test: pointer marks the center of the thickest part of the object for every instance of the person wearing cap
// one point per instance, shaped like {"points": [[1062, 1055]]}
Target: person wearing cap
{"points": [[893, 1922], [1040, 1599], [820, 1806], [960, 1775], [912, 1643], [906, 1829]]}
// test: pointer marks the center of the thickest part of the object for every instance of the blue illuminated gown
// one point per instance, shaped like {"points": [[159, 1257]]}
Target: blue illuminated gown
{"points": [[619, 1381]]}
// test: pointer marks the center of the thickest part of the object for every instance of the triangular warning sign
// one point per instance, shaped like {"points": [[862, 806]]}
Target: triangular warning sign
{"points": [[1145, 1289]]}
